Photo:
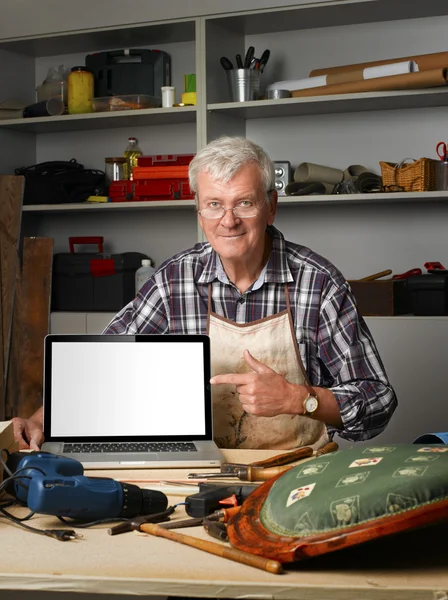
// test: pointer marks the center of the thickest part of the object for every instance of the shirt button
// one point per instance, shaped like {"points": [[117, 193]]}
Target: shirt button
{"points": [[241, 300]]}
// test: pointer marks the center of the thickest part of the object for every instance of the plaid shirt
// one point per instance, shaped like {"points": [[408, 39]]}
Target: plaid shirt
{"points": [[336, 347]]}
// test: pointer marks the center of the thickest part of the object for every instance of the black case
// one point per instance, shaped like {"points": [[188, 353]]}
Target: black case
{"points": [[136, 71], [428, 294], [106, 284]]}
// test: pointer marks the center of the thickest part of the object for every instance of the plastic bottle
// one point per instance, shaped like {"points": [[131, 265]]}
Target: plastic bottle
{"points": [[131, 154], [80, 91], [143, 274]]}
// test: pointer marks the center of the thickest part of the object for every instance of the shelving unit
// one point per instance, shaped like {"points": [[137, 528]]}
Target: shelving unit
{"points": [[360, 234]]}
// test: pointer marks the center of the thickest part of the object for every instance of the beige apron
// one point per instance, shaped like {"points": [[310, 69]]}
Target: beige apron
{"points": [[272, 341]]}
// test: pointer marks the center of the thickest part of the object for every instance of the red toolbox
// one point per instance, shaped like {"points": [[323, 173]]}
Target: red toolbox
{"points": [[162, 189], [165, 160], [175, 172], [121, 191]]}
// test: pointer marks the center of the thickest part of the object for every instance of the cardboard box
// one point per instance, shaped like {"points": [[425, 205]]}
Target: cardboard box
{"points": [[381, 298]]}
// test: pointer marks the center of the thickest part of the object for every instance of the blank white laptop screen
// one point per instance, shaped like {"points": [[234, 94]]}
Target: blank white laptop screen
{"points": [[126, 389]]}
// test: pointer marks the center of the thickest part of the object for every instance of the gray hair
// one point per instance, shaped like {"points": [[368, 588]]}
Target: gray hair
{"points": [[225, 156]]}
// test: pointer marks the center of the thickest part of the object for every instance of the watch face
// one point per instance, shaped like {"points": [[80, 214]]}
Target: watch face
{"points": [[311, 404]]}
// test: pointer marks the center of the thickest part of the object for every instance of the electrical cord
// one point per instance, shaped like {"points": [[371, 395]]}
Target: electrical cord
{"points": [[62, 535]]}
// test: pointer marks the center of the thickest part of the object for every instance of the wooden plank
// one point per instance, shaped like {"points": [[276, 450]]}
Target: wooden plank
{"points": [[11, 194], [30, 326]]}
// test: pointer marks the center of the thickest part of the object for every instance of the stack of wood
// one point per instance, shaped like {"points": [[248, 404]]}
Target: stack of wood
{"points": [[25, 280]]}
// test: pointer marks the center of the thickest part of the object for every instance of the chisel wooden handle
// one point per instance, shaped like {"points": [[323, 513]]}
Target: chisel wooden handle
{"points": [[250, 473], [286, 458], [376, 275], [234, 554], [330, 447]]}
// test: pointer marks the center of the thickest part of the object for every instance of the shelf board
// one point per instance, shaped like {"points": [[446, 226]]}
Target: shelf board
{"points": [[103, 120], [388, 198], [375, 198], [336, 103], [329, 14], [109, 206], [97, 39]]}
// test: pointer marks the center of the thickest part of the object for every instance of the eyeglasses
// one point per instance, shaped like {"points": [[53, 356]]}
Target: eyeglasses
{"points": [[241, 211]]}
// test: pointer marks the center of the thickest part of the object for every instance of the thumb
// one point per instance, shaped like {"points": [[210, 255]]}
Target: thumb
{"points": [[255, 364]]}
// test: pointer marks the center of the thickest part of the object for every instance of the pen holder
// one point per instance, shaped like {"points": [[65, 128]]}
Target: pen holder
{"points": [[244, 84], [442, 175]]}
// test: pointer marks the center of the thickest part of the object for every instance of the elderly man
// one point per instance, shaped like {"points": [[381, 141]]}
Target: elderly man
{"points": [[293, 362]]}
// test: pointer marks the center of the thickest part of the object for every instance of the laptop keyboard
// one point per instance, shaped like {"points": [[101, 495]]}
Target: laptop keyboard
{"points": [[131, 447]]}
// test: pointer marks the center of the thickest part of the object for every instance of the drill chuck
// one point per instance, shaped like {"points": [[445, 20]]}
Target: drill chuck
{"points": [[141, 502]]}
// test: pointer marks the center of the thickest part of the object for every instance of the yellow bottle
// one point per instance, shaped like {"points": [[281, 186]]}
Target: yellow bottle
{"points": [[131, 154], [80, 91]]}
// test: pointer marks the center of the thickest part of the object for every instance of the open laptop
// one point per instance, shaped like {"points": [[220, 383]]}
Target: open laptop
{"points": [[129, 401]]}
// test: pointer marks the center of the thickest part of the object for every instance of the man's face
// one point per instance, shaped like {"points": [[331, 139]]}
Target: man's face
{"points": [[235, 238]]}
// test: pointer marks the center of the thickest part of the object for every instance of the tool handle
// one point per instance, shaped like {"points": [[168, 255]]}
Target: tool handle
{"points": [[330, 447], [259, 562], [376, 275], [286, 458], [251, 473]]}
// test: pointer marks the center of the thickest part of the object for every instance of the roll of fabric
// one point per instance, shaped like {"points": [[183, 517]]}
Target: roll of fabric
{"points": [[436, 60], [310, 172], [409, 81], [307, 188]]}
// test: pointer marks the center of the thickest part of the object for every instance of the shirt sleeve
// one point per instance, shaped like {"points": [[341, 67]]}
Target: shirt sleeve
{"points": [[145, 314], [352, 368]]}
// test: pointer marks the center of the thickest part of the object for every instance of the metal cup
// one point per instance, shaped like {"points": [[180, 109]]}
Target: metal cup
{"points": [[244, 84], [441, 175]]}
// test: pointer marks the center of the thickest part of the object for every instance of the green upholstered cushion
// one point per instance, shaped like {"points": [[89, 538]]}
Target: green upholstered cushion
{"points": [[350, 487]]}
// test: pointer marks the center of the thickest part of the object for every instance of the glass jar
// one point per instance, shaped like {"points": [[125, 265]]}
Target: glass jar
{"points": [[80, 91], [115, 168]]}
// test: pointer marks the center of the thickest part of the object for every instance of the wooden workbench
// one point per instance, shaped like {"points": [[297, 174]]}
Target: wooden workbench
{"points": [[412, 566]]}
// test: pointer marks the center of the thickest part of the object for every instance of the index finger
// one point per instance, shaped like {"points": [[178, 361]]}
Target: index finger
{"points": [[235, 378]]}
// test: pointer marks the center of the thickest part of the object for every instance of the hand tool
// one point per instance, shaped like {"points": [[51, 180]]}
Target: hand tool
{"points": [[273, 461], [249, 56], [131, 524], [266, 564], [257, 473], [441, 151], [211, 497], [376, 275], [239, 61], [55, 485], [181, 524], [263, 60], [216, 529], [226, 63], [408, 274]]}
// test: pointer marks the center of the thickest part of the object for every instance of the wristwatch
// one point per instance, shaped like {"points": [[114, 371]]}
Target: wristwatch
{"points": [[310, 405]]}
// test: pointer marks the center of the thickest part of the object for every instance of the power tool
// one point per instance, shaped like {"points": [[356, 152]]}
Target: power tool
{"points": [[55, 485]]}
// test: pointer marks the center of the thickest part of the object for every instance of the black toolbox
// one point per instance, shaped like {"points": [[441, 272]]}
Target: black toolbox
{"points": [[428, 294], [93, 281], [134, 71]]}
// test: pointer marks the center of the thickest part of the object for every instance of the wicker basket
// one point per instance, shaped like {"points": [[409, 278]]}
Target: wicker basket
{"points": [[419, 176]]}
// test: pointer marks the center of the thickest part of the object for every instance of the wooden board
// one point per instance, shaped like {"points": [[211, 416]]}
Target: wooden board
{"points": [[30, 326], [11, 194]]}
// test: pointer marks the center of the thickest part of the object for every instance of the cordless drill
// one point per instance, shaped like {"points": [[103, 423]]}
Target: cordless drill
{"points": [[55, 485]]}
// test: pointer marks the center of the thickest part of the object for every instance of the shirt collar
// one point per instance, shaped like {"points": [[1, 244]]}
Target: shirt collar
{"points": [[275, 271]]}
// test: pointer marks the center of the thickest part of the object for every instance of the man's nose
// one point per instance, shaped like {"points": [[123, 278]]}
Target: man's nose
{"points": [[229, 219]]}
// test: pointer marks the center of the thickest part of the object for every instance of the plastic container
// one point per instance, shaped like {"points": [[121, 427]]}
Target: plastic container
{"points": [[80, 91], [131, 154], [52, 89], [143, 274], [168, 96], [129, 102]]}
